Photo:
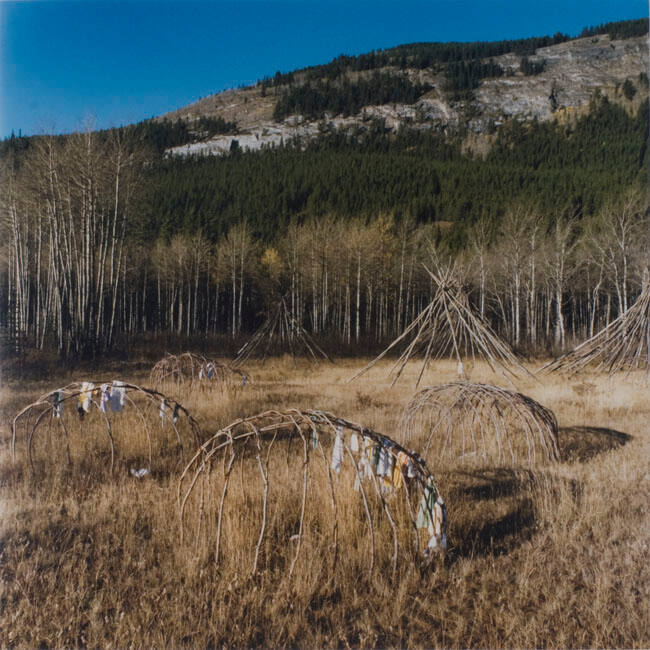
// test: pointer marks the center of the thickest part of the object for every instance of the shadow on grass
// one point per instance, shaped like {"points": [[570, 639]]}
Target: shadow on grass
{"points": [[493, 511], [581, 443], [489, 483], [497, 536]]}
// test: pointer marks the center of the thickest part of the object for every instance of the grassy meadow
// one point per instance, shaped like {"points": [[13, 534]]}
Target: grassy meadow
{"points": [[553, 555]]}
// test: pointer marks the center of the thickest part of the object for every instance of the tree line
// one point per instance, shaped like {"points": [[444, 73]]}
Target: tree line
{"points": [[433, 55], [90, 256], [619, 29], [419, 56], [313, 100], [74, 279], [103, 236]]}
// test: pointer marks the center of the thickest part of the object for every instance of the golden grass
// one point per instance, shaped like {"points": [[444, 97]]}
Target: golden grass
{"points": [[538, 557]]}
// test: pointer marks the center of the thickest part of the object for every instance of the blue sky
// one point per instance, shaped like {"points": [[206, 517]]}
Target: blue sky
{"points": [[67, 64]]}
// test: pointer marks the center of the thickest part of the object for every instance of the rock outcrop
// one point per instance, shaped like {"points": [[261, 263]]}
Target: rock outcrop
{"points": [[573, 72]]}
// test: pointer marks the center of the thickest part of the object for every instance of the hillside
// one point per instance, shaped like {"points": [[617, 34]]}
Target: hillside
{"points": [[555, 81]]}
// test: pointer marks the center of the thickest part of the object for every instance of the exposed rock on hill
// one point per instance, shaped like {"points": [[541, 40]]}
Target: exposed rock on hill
{"points": [[571, 74]]}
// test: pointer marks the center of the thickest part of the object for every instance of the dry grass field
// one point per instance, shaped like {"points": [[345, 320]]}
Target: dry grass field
{"points": [[554, 555]]}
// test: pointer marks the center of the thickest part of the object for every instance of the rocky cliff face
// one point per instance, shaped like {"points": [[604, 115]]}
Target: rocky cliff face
{"points": [[573, 72]]}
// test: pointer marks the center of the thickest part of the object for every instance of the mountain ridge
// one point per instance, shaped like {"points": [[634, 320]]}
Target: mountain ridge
{"points": [[565, 77]]}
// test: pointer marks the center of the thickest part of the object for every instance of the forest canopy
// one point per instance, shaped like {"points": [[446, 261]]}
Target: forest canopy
{"points": [[421, 175]]}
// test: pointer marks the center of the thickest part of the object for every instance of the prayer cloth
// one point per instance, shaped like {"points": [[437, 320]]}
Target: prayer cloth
{"points": [[383, 463], [337, 453], [104, 398], [57, 403], [398, 477], [438, 530], [398, 472], [376, 452], [432, 515], [118, 396], [163, 406], [85, 395], [427, 505], [390, 466], [410, 469], [367, 456]]}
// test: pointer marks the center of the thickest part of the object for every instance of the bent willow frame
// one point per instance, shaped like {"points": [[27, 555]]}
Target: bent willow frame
{"points": [[190, 367], [318, 434], [79, 398], [479, 423]]}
